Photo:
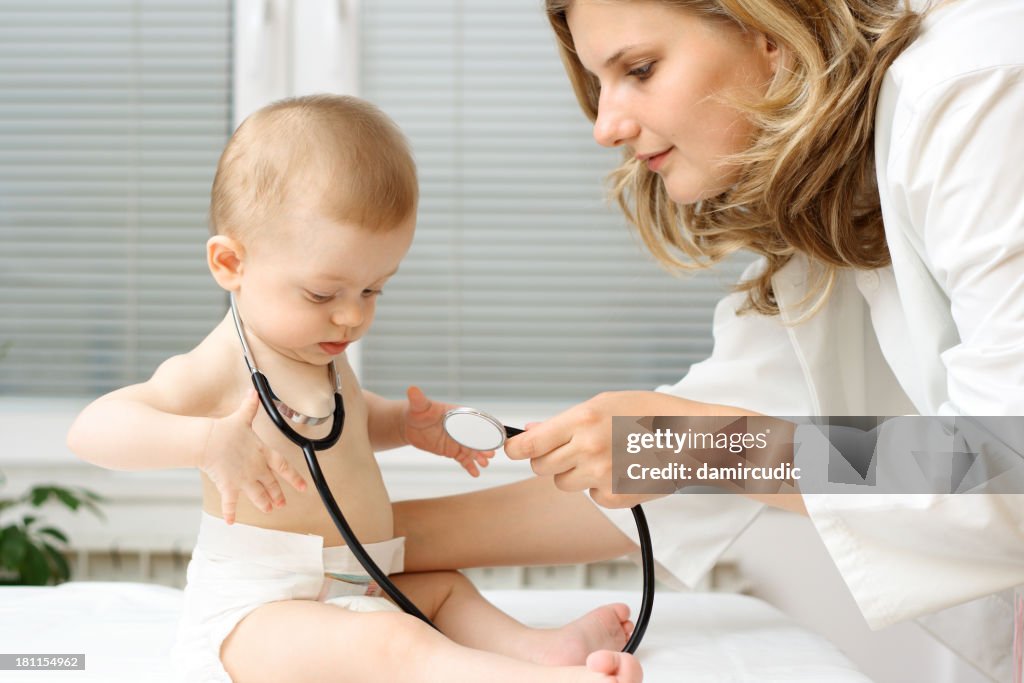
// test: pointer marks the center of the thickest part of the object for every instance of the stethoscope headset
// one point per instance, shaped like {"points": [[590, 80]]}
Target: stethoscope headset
{"points": [[469, 424]]}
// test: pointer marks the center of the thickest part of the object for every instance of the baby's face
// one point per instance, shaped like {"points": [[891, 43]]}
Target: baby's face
{"points": [[309, 285]]}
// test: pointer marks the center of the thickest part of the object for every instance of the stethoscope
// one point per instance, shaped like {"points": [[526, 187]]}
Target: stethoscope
{"points": [[471, 428]]}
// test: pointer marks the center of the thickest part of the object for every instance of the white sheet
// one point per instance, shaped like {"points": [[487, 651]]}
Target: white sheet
{"points": [[126, 631]]}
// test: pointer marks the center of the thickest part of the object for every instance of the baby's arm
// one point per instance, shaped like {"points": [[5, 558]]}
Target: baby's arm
{"points": [[418, 422], [157, 424], [164, 423], [385, 421]]}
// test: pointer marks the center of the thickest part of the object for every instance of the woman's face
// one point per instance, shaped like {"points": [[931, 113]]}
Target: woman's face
{"points": [[664, 75]]}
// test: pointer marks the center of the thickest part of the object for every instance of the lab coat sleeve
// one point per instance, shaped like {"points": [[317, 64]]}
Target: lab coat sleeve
{"points": [[958, 175], [753, 366], [965, 196]]}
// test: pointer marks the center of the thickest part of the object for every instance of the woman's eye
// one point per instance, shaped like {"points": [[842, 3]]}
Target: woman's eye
{"points": [[642, 72]]}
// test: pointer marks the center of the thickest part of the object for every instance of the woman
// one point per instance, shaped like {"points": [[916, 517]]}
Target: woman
{"points": [[871, 156]]}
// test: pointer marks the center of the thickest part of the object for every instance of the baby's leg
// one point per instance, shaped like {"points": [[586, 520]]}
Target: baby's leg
{"points": [[303, 640], [452, 602]]}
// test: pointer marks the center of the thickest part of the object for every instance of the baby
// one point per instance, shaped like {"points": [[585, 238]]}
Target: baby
{"points": [[313, 208]]}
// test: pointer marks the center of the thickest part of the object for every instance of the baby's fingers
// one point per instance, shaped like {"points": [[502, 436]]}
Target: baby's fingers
{"points": [[228, 504], [282, 467], [466, 460], [257, 493], [273, 490]]}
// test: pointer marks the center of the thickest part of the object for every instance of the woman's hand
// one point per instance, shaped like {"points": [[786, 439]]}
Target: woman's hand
{"points": [[423, 427], [576, 445], [236, 459]]}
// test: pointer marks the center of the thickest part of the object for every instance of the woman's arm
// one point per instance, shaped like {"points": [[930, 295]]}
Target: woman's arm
{"points": [[526, 523]]}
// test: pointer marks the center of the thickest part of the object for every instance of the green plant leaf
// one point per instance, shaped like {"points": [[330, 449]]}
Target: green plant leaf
{"points": [[93, 496], [13, 544], [55, 532], [26, 558], [89, 499], [70, 498], [61, 570], [39, 495], [67, 497], [35, 570]]}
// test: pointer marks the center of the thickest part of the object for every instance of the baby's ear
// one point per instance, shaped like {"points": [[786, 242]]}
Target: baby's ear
{"points": [[224, 258]]}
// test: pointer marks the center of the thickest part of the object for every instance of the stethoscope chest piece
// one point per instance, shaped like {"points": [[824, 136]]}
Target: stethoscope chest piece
{"points": [[475, 429]]}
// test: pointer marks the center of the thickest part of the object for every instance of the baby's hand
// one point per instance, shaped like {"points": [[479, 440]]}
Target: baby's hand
{"points": [[424, 429], [235, 459]]}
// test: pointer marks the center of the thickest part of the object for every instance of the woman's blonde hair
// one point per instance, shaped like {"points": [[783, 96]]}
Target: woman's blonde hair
{"points": [[807, 183], [341, 154]]}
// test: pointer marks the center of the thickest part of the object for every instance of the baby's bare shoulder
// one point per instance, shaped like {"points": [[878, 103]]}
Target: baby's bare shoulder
{"points": [[200, 382]]}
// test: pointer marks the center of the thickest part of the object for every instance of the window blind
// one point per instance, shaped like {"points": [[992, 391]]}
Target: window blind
{"points": [[112, 117], [523, 283]]}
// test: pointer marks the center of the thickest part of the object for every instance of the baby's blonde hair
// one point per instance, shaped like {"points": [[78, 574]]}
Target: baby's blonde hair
{"points": [[341, 153], [807, 183]]}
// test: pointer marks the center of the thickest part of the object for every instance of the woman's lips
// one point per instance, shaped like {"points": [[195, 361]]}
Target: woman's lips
{"points": [[333, 348], [658, 160]]}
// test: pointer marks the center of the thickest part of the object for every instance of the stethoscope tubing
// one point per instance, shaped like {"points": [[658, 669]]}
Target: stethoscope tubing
{"points": [[309, 448], [353, 543], [647, 564], [259, 380]]}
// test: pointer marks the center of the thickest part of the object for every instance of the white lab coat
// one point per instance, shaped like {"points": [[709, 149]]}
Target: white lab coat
{"points": [[940, 332]]}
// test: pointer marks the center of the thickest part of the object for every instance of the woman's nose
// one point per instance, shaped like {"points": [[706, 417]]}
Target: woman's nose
{"points": [[614, 125]]}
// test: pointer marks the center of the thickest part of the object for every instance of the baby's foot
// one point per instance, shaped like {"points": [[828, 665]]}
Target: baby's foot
{"points": [[618, 667], [605, 628]]}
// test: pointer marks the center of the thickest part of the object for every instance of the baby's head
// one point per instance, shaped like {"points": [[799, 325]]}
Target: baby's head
{"points": [[313, 207], [340, 153]]}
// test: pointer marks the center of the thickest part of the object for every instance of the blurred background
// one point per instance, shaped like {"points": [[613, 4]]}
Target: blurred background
{"points": [[523, 283]]}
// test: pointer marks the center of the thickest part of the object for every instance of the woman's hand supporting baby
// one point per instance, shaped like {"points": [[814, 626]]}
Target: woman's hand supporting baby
{"points": [[236, 460]]}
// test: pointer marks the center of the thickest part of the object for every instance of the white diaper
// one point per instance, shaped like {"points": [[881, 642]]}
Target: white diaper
{"points": [[236, 568]]}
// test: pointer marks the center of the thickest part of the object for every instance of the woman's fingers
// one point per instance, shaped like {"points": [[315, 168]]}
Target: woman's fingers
{"points": [[541, 439], [571, 480]]}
